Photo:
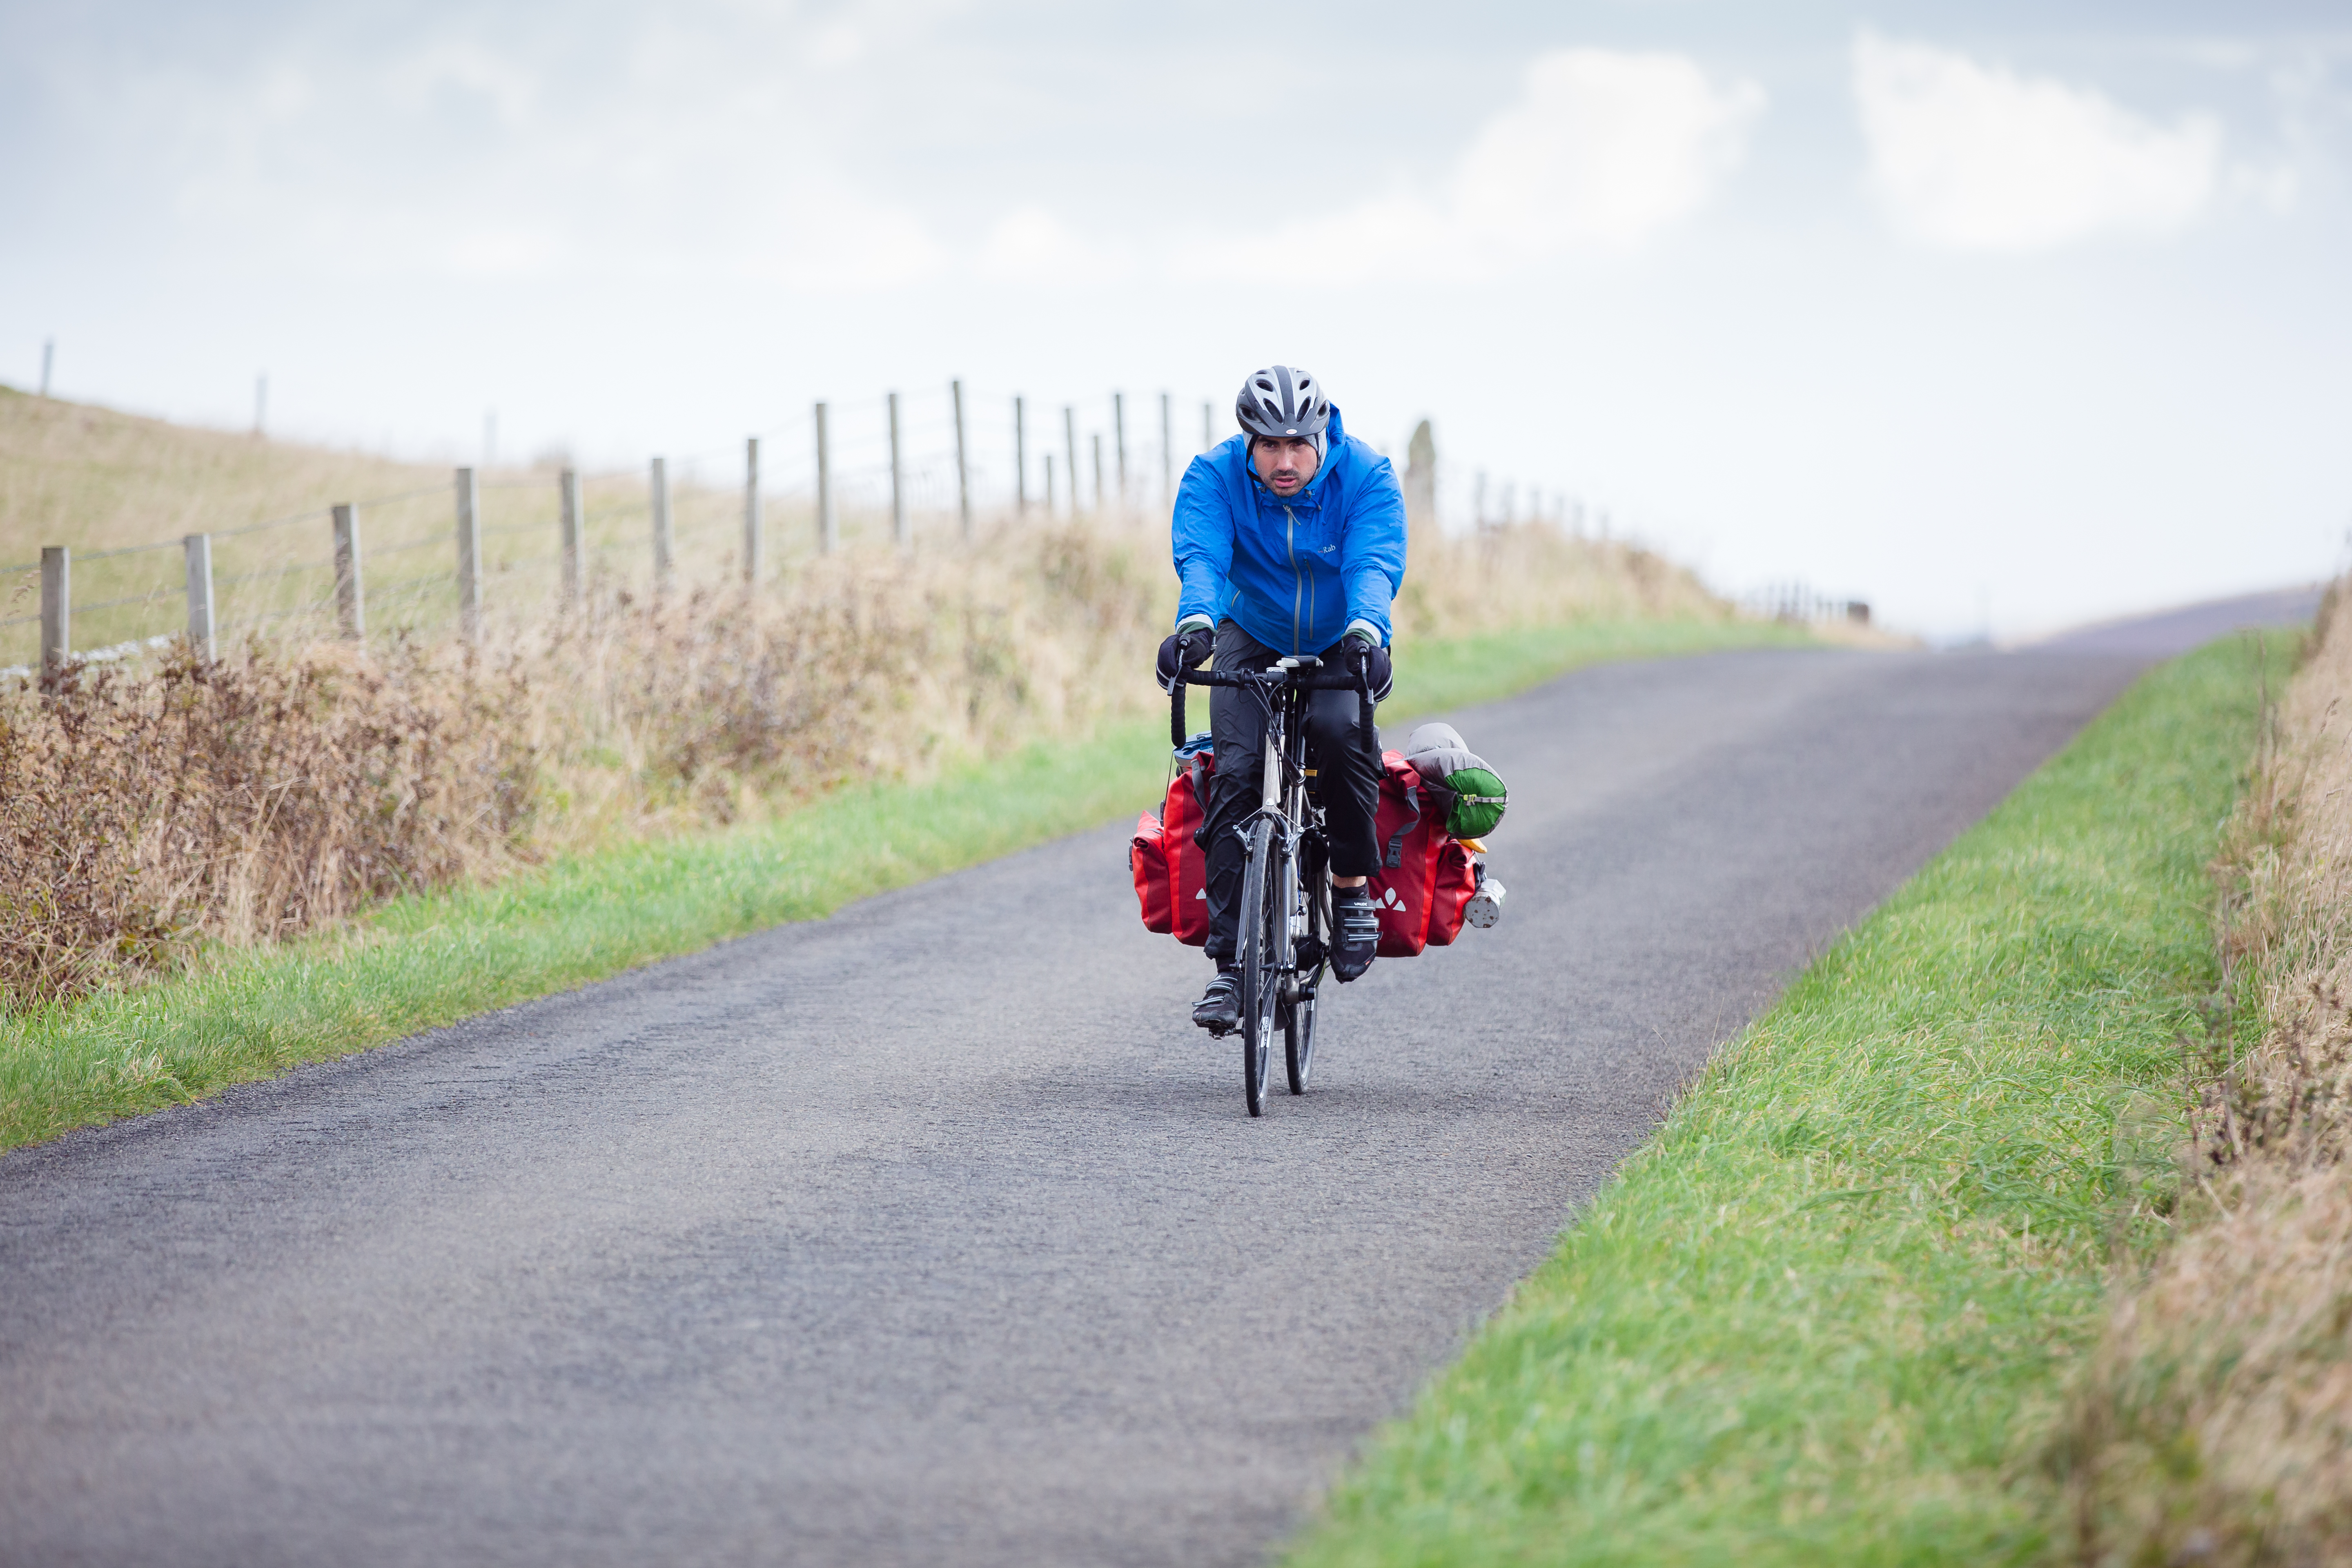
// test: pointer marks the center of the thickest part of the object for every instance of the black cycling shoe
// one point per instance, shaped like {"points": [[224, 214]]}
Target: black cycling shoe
{"points": [[1219, 1010], [1358, 932]]}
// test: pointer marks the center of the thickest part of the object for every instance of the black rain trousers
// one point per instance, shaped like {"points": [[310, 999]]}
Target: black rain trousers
{"points": [[1346, 781]]}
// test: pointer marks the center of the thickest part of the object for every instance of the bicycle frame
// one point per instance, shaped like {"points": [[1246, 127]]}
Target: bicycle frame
{"points": [[1282, 690], [1286, 887]]}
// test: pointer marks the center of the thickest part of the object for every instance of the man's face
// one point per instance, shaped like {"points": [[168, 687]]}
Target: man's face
{"points": [[1285, 462]]}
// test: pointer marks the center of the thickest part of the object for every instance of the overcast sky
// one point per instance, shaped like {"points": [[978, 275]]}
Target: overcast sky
{"points": [[2017, 312]]}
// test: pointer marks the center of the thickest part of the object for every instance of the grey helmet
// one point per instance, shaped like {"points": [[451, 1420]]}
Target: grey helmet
{"points": [[1283, 400]]}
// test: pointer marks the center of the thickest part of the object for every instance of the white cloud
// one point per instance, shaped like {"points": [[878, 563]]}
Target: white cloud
{"points": [[1602, 147], [463, 66], [1601, 152], [1978, 157], [1030, 245], [829, 237], [838, 45], [500, 252]]}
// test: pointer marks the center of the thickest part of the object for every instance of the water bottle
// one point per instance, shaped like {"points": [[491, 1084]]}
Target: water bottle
{"points": [[1485, 905]]}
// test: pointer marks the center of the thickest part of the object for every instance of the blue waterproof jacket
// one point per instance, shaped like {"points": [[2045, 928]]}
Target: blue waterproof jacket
{"points": [[1293, 572]]}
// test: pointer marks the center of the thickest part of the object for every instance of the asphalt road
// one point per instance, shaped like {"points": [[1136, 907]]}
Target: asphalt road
{"points": [[934, 1233]]}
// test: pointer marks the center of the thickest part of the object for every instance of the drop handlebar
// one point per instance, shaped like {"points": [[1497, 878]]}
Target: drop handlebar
{"points": [[1305, 677]]}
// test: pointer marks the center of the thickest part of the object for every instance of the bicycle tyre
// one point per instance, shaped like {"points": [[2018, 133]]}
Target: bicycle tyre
{"points": [[1265, 922], [1298, 1041], [1299, 1017]]}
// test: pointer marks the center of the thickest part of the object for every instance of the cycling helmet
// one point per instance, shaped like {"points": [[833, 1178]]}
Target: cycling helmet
{"points": [[1283, 400]]}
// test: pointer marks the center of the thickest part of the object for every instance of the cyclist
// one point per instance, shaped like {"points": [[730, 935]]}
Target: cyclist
{"points": [[1290, 540]]}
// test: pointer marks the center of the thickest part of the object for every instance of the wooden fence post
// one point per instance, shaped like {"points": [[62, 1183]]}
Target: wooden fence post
{"points": [[567, 522], [56, 610], [1020, 457], [1119, 435], [660, 483], [1070, 453], [755, 537], [963, 471], [828, 533], [1167, 456], [1049, 484], [469, 555], [1098, 477], [199, 551], [1421, 480], [898, 482], [1208, 427], [351, 599]]}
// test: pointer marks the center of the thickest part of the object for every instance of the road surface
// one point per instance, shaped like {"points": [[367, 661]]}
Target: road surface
{"points": [[933, 1232]]}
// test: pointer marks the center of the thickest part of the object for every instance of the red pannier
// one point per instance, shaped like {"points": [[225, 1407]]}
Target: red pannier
{"points": [[1425, 879], [1171, 872], [1147, 856], [1423, 884], [1450, 890]]}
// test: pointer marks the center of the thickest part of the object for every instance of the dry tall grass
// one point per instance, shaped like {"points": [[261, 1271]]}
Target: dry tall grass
{"points": [[2214, 1424], [253, 796], [723, 702], [146, 811]]}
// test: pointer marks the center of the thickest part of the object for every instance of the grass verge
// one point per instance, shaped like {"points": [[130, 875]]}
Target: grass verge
{"points": [[418, 963], [1826, 1314]]}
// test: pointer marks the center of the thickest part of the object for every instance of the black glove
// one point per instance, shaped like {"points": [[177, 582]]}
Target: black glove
{"points": [[1373, 659], [1185, 650]]}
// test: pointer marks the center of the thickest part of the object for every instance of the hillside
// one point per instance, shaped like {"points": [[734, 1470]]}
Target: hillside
{"points": [[121, 491], [92, 479]]}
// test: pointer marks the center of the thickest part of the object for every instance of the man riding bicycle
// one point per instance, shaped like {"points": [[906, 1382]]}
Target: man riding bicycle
{"points": [[1289, 541]]}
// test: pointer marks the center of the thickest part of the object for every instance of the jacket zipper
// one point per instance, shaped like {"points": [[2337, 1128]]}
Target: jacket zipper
{"points": [[1298, 578]]}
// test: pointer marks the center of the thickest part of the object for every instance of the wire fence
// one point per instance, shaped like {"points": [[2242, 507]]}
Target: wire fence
{"points": [[913, 468], [1800, 603]]}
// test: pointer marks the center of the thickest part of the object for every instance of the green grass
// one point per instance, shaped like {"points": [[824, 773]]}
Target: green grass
{"points": [[1824, 1315], [434, 959]]}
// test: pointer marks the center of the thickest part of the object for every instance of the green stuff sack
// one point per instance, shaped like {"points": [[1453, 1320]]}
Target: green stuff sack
{"points": [[1478, 801], [1475, 792]]}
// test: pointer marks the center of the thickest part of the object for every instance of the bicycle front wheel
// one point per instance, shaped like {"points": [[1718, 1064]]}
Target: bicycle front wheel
{"points": [[1264, 954]]}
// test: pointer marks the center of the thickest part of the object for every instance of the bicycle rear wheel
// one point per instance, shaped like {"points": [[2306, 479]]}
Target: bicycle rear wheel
{"points": [[1298, 1019], [1264, 954], [1298, 1041]]}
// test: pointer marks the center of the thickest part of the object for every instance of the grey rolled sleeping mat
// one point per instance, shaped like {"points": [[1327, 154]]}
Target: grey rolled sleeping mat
{"points": [[1472, 791]]}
